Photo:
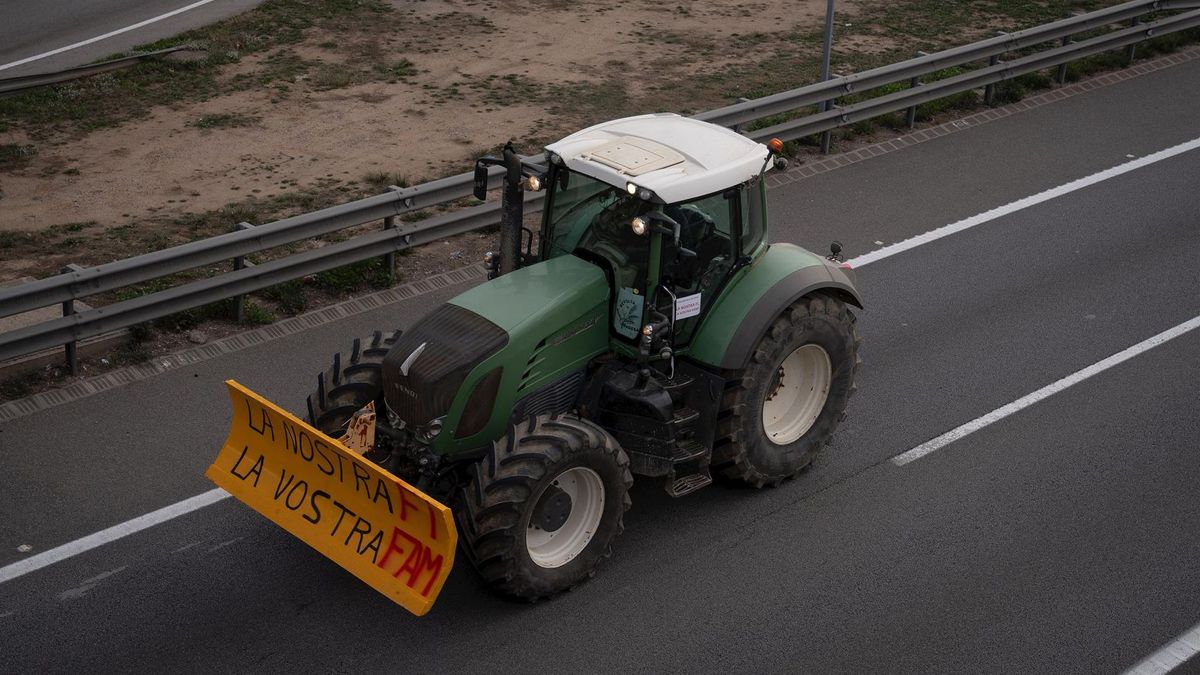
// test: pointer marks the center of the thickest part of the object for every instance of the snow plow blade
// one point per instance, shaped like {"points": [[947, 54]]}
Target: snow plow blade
{"points": [[397, 539]]}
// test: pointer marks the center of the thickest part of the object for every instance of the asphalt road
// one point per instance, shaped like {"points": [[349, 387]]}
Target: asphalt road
{"points": [[1059, 539], [29, 28]]}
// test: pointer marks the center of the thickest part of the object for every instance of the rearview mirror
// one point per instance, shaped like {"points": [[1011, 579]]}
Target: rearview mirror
{"points": [[479, 189]]}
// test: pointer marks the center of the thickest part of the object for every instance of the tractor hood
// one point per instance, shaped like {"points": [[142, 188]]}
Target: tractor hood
{"points": [[533, 294], [504, 338]]}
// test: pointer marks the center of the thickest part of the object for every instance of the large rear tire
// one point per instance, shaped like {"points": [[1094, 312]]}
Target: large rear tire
{"points": [[349, 384], [543, 508], [781, 409]]}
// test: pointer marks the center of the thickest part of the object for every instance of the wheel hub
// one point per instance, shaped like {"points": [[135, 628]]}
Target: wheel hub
{"points": [[552, 511], [564, 517], [797, 394]]}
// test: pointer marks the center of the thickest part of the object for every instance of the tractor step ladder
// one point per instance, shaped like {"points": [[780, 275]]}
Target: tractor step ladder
{"points": [[690, 470], [688, 484]]}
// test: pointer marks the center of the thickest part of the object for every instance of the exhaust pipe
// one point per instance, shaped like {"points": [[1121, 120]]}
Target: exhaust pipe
{"points": [[512, 212], [512, 206]]}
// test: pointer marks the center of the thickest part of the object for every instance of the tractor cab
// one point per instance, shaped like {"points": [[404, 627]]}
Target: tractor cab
{"points": [[669, 207]]}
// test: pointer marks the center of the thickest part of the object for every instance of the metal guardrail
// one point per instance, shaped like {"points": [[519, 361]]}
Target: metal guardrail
{"points": [[15, 85], [395, 236]]}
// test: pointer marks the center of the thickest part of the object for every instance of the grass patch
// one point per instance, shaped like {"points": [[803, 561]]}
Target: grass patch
{"points": [[16, 156], [336, 76], [22, 385], [226, 121], [371, 273], [109, 99], [378, 181], [289, 297], [255, 314], [179, 321], [399, 70]]}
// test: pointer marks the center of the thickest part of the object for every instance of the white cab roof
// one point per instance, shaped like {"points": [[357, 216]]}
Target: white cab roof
{"points": [[677, 158]]}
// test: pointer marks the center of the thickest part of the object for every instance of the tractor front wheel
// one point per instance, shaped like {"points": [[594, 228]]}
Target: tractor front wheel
{"points": [[781, 409], [543, 508], [349, 384]]}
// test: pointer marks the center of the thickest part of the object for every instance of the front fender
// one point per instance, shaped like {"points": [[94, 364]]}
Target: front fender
{"points": [[759, 293]]}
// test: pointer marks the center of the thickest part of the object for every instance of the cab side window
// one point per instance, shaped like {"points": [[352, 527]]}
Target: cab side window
{"points": [[706, 228]]}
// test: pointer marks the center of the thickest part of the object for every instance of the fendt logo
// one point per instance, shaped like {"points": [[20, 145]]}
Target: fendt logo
{"points": [[409, 392]]}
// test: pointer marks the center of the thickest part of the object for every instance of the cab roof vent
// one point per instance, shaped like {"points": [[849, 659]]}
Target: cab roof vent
{"points": [[635, 156]]}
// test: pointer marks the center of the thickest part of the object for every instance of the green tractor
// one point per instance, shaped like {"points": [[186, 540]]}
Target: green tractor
{"points": [[651, 331]]}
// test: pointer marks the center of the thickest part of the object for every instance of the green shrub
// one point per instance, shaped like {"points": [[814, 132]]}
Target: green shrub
{"points": [[371, 273], [290, 297]]}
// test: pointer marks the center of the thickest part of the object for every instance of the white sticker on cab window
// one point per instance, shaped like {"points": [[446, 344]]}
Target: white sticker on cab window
{"points": [[687, 306]]}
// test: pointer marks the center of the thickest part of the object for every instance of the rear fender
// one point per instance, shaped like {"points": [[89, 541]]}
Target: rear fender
{"points": [[757, 295]]}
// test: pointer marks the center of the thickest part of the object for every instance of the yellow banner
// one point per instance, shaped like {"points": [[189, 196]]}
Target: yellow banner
{"points": [[381, 529]]}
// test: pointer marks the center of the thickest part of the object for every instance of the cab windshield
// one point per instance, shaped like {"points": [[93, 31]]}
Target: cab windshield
{"points": [[594, 217], [584, 202]]}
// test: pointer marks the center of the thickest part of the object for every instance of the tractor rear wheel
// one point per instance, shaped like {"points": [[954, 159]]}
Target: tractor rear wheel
{"points": [[781, 409], [543, 508], [349, 384]]}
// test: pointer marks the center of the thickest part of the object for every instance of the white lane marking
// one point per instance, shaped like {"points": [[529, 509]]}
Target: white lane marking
{"points": [[74, 548], [1045, 392], [107, 35], [1171, 656], [1032, 200], [200, 501], [192, 545], [223, 544], [88, 585]]}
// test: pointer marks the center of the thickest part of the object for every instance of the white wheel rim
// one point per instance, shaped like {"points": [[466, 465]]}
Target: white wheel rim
{"points": [[557, 548], [800, 390]]}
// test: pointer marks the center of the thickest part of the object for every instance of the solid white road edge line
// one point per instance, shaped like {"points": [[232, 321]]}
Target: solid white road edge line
{"points": [[1012, 207], [98, 38], [1171, 656], [1045, 392], [74, 548], [164, 514]]}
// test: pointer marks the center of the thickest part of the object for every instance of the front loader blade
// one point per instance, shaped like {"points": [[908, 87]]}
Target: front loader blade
{"points": [[382, 530]]}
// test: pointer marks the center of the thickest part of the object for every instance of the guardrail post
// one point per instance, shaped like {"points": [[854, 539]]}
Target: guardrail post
{"points": [[827, 135], [389, 260], [826, 55], [389, 223], [68, 308], [738, 127], [989, 91], [911, 117], [1062, 67], [239, 307], [1132, 49]]}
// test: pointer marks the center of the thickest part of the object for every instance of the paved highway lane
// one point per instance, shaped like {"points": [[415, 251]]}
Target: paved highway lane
{"points": [[31, 28], [900, 194], [1055, 539]]}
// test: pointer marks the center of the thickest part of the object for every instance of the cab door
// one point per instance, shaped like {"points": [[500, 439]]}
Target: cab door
{"points": [[710, 228]]}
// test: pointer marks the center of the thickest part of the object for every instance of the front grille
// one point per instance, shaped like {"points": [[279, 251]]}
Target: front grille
{"points": [[456, 340], [558, 396]]}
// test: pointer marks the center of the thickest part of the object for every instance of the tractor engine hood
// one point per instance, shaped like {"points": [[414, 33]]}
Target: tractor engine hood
{"points": [[498, 324], [426, 367]]}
